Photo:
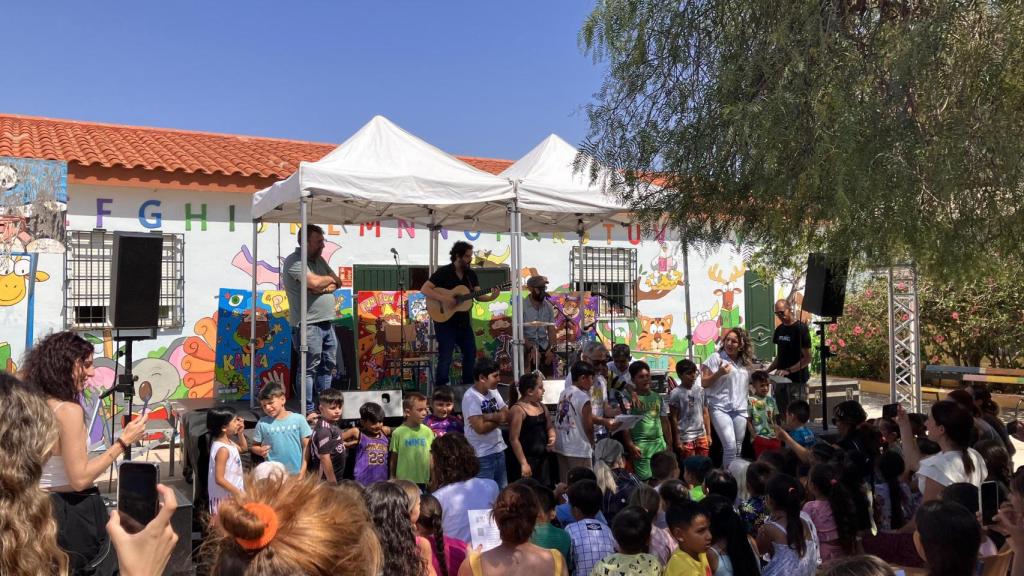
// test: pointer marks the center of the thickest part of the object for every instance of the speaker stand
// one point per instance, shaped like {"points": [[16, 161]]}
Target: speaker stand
{"points": [[824, 353], [126, 383]]}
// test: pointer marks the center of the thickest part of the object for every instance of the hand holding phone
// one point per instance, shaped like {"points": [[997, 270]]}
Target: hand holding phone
{"points": [[890, 411], [137, 501], [989, 502], [147, 552]]}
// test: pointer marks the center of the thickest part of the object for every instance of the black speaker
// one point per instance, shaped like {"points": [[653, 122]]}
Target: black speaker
{"points": [[825, 287], [135, 274]]}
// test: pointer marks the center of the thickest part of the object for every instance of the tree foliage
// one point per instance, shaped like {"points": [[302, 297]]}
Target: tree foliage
{"points": [[884, 130]]}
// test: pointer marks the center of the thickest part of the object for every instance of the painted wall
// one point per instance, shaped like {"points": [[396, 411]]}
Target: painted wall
{"points": [[218, 254]]}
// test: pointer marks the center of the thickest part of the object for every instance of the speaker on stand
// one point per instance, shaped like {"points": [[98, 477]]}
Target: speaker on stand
{"points": [[136, 273], [825, 296]]}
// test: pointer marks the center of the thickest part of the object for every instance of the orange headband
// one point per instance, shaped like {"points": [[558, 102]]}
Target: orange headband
{"points": [[269, 517]]}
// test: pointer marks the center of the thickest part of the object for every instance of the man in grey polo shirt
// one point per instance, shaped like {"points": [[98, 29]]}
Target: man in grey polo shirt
{"points": [[321, 282], [536, 308]]}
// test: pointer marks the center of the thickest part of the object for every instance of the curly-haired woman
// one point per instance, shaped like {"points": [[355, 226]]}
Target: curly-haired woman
{"points": [[725, 377], [59, 366], [453, 470]]}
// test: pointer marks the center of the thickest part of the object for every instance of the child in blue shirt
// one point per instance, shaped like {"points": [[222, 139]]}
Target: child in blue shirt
{"points": [[281, 436], [797, 414]]}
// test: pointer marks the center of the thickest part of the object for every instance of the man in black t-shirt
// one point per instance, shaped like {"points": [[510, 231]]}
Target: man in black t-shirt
{"points": [[457, 330], [792, 342]]}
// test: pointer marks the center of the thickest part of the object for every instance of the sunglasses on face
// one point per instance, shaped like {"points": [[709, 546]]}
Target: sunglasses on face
{"points": [[780, 313]]}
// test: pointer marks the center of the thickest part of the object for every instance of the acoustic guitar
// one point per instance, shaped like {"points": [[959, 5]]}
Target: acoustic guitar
{"points": [[463, 298]]}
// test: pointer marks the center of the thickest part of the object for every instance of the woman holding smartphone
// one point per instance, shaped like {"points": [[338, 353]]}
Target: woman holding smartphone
{"points": [[59, 366], [725, 377]]}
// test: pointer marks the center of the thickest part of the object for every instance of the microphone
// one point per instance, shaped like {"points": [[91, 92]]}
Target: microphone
{"points": [[394, 253], [108, 391]]}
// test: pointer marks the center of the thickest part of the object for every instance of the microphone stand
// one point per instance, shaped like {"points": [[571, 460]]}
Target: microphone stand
{"points": [[401, 317]]}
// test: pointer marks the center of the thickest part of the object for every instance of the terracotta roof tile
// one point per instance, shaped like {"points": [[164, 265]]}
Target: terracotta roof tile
{"points": [[114, 145]]}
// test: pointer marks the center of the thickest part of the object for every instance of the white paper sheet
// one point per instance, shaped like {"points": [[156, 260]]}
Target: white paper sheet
{"points": [[483, 531]]}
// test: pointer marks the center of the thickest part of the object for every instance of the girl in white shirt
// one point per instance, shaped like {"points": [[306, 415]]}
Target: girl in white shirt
{"points": [[224, 479]]}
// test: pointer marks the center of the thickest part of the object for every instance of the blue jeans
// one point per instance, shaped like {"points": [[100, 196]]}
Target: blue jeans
{"points": [[449, 335], [493, 466], [321, 359]]}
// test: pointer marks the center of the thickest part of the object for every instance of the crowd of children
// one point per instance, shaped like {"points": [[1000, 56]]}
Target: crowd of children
{"points": [[639, 496]]}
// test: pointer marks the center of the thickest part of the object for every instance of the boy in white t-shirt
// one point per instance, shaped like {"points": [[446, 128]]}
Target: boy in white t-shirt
{"points": [[484, 411], [575, 421]]}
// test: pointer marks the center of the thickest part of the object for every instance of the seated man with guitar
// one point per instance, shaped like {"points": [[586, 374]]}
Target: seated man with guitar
{"points": [[450, 292]]}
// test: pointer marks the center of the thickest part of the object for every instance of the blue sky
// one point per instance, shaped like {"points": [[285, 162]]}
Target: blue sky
{"points": [[473, 77]]}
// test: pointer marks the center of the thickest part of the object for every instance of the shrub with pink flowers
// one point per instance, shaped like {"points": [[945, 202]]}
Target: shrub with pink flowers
{"points": [[860, 338], [965, 323]]}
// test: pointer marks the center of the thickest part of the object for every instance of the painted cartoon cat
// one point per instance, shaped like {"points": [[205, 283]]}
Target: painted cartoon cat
{"points": [[656, 334]]}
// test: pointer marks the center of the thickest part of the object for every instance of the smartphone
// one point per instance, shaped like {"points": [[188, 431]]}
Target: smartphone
{"points": [[890, 411], [137, 500], [989, 502]]}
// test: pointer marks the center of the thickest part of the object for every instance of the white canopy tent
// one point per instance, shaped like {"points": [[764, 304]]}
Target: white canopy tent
{"points": [[555, 197], [383, 172]]}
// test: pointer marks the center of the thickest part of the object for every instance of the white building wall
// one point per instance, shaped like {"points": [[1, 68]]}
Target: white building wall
{"points": [[217, 232]]}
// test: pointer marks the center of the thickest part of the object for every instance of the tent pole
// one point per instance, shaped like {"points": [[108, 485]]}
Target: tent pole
{"points": [[520, 333], [516, 302], [303, 344], [686, 293], [252, 316]]}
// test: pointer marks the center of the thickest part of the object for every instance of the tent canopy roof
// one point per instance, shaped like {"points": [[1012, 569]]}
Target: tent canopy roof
{"points": [[553, 196], [383, 172]]}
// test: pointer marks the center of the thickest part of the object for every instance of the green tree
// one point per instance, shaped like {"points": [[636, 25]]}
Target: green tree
{"points": [[884, 130]]}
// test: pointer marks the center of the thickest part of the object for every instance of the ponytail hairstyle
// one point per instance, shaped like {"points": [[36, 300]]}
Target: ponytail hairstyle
{"points": [[607, 454], [319, 530], [892, 467], [958, 425], [825, 479], [726, 525], [430, 521], [785, 494], [515, 512]]}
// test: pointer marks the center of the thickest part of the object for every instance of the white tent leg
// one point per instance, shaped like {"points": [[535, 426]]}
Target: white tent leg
{"points": [[252, 317], [303, 344], [517, 303], [520, 334]]}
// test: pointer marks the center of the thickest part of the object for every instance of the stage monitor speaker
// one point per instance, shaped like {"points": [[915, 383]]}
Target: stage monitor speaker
{"points": [[825, 287], [135, 275]]}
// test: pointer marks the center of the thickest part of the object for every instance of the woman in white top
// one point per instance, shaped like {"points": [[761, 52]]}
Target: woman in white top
{"points": [[59, 365], [725, 377], [453, 470], [950, 426]]}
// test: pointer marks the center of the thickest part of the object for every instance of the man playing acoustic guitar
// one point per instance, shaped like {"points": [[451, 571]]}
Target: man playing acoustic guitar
{"points": [[456, 331]]}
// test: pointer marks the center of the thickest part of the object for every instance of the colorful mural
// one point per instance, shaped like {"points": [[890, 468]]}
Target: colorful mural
{"points": [[375, 311], [234, 351]]}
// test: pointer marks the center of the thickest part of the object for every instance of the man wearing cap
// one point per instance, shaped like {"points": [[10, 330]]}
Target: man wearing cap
{"points": [[536, 308]]}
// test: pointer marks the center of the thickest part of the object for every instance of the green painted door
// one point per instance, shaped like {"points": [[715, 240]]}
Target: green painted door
{"points": [[491, 277], [759, 309], [378, 277]]}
